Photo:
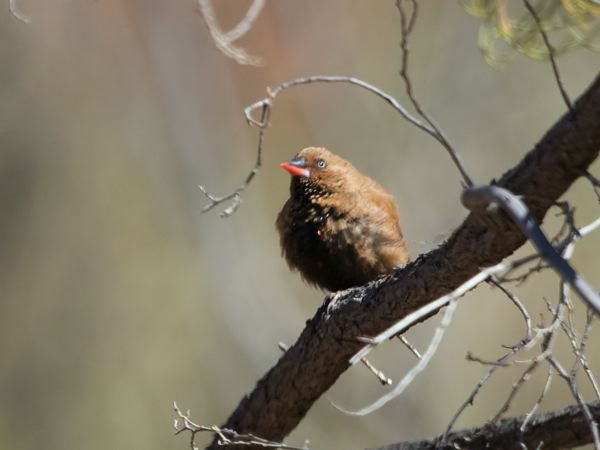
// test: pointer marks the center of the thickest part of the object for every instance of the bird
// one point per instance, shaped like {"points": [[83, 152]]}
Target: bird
{"points": [[339, 228]]}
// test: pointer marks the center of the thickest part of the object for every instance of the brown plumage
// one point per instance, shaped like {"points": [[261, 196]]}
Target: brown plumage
{"points": [[339, 228]]}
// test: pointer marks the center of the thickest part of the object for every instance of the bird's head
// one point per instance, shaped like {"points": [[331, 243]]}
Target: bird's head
{"points": [[315, 170]]}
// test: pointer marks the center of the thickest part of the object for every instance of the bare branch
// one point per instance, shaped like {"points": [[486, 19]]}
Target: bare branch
{"points": [[551, 55], [538, 402], [224, 40], [566, 428], [500, 362], [266, 104], [589, 417], [383, 379], [595, 183], [273, 93], [582, 359], [225, 436], [406, 27], [321, 354], [411, 347], [425, 311], [236, 196], [525, 376], [412, 374], [479, 197], [515, 301]]}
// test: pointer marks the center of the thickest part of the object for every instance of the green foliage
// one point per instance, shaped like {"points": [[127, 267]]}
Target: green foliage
{"points": [[568, 23]]}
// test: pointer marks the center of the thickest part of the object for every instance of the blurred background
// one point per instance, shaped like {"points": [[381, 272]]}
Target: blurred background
{"points": [[119, 297]]}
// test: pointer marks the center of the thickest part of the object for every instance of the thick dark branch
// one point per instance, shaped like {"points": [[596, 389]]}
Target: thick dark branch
{"points": [[285, 394], [566, 428]]}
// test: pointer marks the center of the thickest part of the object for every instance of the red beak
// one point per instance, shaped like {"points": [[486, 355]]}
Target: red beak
{"points": [[296, 168]]}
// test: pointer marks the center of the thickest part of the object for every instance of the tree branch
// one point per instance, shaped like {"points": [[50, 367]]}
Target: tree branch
{"points": [[566, 428], [484, 196], [285, 394]]}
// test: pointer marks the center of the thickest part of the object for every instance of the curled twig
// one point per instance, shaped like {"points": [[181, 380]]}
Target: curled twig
{"points": [[224, 40], [273, 93], [236, 196], [265, 105]]}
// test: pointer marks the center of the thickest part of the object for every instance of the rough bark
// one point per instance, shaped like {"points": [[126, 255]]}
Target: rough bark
{"points": [[566, 428], [284, 395]]}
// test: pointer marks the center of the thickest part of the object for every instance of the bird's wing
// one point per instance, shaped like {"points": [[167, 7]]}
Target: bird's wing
{"points": [[379, 205]]}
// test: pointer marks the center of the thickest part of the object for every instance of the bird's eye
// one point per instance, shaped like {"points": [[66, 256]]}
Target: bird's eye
{"points": [[321, 164]]}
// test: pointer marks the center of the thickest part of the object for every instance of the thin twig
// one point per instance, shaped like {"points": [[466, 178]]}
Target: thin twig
{"points": [[410, 346], [546, 346], [515, 301], [484, 362], [506, 277], [236, 196], [412, 374], [379, 374], [225, 436], [577, 395], [383, 379], [425, 311], [551, 54], [538, 402], [406, 27], [266, 104], [595, 184], [525, 376], [273, 93], [500, 362], [581, 357]]}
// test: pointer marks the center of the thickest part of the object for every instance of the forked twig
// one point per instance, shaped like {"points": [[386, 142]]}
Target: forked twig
{"points": [[500, 362], [224, 436], [572, 383], [236, 196]]}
